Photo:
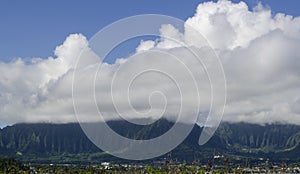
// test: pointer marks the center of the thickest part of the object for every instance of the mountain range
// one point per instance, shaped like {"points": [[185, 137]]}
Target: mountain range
{"points": [[67, 143]]}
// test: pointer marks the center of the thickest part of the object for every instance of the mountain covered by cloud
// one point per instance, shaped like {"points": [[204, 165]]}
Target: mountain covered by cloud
{"points": [[259, 52]]}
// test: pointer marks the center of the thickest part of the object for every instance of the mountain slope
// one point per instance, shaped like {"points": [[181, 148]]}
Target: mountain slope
{"points": [[33, 141]]}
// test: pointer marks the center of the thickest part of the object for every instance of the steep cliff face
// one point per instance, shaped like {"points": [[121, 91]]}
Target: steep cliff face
{"points": [[276, 140], [268, 138], [44, 139]]}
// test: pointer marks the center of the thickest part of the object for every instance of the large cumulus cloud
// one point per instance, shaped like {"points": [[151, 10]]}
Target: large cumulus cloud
{"points": [[258, 50]]}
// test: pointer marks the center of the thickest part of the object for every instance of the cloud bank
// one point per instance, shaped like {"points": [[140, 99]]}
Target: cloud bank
{"points": [[259, 52]]}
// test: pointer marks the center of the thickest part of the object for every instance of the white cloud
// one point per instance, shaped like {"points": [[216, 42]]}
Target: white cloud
{"points": [[229, 25], [259, 52], [37, 91], [145, 46]]}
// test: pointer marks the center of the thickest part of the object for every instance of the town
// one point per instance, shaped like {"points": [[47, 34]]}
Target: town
{"points": [[218, 164]]}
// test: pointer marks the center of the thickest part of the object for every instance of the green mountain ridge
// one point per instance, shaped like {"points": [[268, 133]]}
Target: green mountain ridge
{"points": [[64, 143]]}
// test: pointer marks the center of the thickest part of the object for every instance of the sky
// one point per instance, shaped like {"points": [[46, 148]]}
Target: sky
{"points": [[34, 28], [257, 47]]}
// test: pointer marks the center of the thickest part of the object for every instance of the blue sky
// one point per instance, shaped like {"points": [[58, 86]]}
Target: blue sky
{"points": [[34, 28], [257, 52]]}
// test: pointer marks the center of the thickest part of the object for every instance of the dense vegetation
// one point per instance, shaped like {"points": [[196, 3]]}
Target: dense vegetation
{"points": [[66, 143]]}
